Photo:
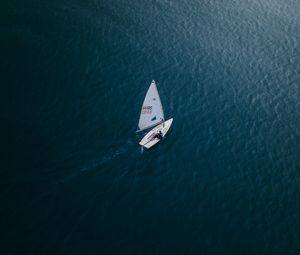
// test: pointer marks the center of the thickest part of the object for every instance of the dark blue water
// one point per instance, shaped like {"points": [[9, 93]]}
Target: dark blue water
{"points": [[74, 75]]}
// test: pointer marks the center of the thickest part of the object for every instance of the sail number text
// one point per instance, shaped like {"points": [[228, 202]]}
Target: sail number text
{"points": [[147, 109]]}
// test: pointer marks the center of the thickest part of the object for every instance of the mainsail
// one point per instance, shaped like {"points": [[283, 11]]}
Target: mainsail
{"points": [[152, 111]]}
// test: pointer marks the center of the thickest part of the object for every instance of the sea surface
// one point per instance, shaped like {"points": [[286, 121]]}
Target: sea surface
{"points": [[225, 180]]}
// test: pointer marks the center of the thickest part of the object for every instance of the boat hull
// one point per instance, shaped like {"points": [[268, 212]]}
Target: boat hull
{"points": [[148, 140]]}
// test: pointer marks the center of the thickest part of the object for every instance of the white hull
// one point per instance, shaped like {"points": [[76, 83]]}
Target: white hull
{"points": [[148, 141]]}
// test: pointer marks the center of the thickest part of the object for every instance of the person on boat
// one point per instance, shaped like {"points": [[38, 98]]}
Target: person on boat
{"points": [[158, 135]]}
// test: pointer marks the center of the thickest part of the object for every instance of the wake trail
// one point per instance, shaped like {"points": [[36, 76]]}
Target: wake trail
{"points": [[108, 157], [125, 151]]}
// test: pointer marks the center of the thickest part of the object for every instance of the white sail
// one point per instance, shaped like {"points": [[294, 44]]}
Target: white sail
{"points": [[152, 111]]}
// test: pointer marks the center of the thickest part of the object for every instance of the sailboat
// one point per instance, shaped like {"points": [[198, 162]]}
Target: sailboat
{"points": [[152, 116]]}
